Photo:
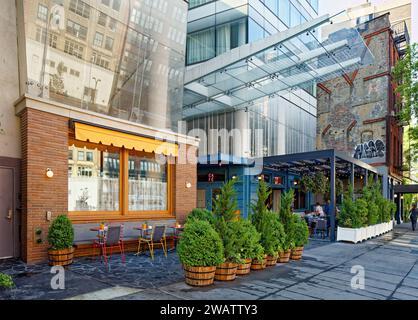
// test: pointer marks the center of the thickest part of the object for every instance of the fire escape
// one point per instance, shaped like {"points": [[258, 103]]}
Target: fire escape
{"points": [[401, 37]]}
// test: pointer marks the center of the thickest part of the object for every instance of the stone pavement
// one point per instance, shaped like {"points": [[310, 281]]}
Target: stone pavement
{"points": [[390, 264]]}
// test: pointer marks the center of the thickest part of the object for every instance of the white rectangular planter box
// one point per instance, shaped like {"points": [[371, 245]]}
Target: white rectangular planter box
{"points": [[360, 234], [370, 232], [351, 235]]}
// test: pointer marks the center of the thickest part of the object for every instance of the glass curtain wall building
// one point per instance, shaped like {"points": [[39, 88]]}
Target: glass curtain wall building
{"points": [[287, 119]]}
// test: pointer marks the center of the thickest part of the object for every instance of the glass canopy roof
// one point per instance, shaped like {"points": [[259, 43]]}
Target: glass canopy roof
{"points": [[295, 58]]}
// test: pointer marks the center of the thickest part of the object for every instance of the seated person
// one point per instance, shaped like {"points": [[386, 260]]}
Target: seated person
{"points": [[319, 211]]}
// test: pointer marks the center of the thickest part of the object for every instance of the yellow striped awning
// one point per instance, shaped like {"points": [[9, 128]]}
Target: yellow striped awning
{"points": [[84, 132]]}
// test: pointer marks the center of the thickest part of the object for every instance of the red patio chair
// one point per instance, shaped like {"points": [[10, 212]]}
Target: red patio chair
{"points": [[113, 238]]}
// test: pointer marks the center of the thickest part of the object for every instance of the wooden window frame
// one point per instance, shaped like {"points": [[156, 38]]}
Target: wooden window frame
{"points": [[123, 214]]}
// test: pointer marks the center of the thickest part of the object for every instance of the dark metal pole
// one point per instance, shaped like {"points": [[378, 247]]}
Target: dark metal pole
{"points": [[366, 178], [352, 177], [333, 199]]}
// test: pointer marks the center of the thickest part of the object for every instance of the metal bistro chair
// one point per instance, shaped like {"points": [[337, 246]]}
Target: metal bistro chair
{"points": [[157, 236], [113, 238], [321, 227]]}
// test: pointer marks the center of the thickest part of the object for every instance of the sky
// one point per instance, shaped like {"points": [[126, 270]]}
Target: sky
{"points": [[335, 6]]}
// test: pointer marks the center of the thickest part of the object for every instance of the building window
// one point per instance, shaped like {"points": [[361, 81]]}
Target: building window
{"points": [[41, 37], [74, 49], [109, 44], [106, 2], [95, 188], [84, 172], [70, 154], [89, 156], [116, 5], [98, 59], [81, 8], [284, 11], [80, 155], [201, 46], [300, 200], [75, 73], [42, 12], [112, 24], [98, 39], [148, 184], [102, 19], [230, 36], [76, 30], [195, 3]]}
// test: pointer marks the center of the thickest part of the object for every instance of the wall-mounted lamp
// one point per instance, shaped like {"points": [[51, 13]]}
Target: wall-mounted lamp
{"points": [[401, 197], [396, 196], [49, 173], [234, 177], [188, 185]]}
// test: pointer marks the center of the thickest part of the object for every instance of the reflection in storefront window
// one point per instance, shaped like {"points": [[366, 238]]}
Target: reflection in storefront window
{"points": [[147, 185], [93, 181], [128, 56]]}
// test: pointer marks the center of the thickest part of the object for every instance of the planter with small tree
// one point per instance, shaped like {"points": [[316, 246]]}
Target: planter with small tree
{"points": [[300, 237], [224, 211], [61, 238], [200, 250], [286, 218], [268, 225]]}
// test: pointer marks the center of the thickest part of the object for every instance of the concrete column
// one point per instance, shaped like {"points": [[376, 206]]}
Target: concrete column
{"points": [[242, 134]]}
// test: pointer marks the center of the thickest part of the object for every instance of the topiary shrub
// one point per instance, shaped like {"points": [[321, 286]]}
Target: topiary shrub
{"points": [[200, 245], [6, 281], [249, 244], [201, 214], [300, 231], [286, 219], [61, 233]]}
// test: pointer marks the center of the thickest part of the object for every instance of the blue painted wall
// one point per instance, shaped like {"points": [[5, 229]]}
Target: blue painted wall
{"points": [[246, 186]]}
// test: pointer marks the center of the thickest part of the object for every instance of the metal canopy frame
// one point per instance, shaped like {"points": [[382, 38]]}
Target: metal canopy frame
{"points": [[324, 160], [294, 58]]}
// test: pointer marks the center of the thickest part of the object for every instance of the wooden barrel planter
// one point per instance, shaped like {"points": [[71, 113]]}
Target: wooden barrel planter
{"points": [[62, 257], [297, 253], [284, 256], [226, 271], [199, 276], [271, 261], [259, 265], [245, 268]]}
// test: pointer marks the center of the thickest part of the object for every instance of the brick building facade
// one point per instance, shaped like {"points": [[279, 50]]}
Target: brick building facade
{"points": [[356, 112]]}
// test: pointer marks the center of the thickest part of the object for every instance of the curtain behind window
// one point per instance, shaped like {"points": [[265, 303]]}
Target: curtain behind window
{"points": [[201, 46]]}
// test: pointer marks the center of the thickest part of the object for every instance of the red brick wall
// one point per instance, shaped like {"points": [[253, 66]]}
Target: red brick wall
{"points": [[44, 145], [185, 200]]}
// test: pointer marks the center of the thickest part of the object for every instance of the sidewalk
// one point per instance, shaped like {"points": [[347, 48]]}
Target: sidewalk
{"points": [[390, 263]]}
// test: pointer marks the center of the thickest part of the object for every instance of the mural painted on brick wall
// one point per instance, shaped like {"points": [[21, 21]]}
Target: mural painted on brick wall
{"points": [[372, 151]]}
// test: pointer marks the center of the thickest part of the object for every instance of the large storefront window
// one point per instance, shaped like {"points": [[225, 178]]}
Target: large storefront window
{"points": [[148, 186], [93, 181]]}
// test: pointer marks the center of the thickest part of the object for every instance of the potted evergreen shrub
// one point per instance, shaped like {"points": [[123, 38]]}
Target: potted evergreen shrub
{"points": [[300, 237], [61, 238], [200, 250], [249, 245], [224, 211], [201, 214], [6, 282], [268, 225], [286, 218]]}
